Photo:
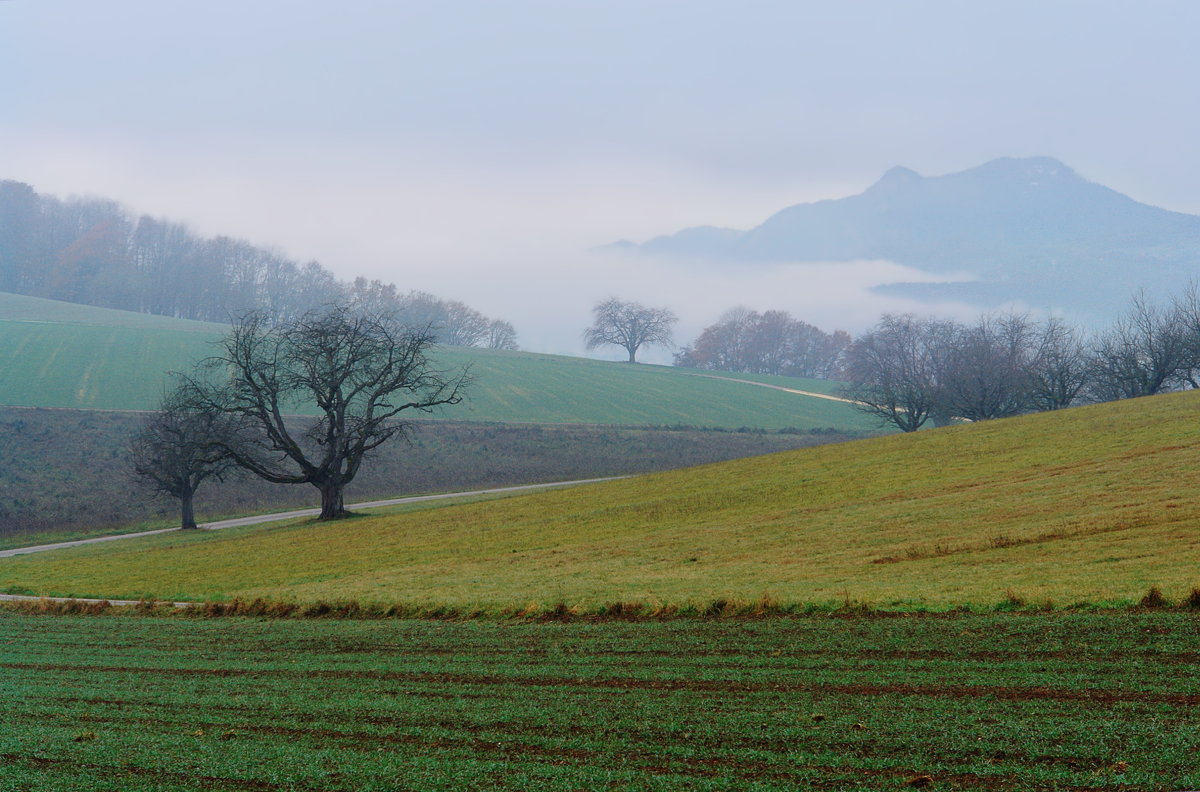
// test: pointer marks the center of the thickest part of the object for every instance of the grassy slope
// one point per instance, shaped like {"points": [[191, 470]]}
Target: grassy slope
{"points": [[1094, 503], [1003, 702], [55, 354]]}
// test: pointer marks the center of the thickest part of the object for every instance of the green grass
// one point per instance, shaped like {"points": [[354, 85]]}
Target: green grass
{"points": [[1093, 504], [55, 354], [1022, 702]]}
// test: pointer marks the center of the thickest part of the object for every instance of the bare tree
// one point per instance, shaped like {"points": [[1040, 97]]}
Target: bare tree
{"points": [[629, 325], [461, 325], [1149, 350], [359, 370], [989, 368], [895, 370], [1060, 368], [180, 447], [502, 335]]}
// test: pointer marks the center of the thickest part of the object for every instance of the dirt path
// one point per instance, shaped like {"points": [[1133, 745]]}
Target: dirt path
{"points": [[262, 518], [778, 387]]}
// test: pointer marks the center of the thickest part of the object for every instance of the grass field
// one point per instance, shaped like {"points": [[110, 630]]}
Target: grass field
{"points": [[55, 354], [1091, 504], [1023, 702]]}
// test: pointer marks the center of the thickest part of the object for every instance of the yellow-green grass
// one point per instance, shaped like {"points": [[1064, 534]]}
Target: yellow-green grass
{"points": [[56, 354], [1092, 504]]}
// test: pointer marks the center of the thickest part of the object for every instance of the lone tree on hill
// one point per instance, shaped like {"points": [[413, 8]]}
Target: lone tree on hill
{"points": [[178, 448], [629, 325], [360, 370]]}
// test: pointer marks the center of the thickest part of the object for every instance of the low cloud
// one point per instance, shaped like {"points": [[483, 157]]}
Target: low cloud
{"points": [[517, 242]]}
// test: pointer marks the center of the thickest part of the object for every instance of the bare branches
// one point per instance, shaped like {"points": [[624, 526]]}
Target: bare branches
{"points": [[1150, 349], [178, 448], [629, 325], [360, 370]]}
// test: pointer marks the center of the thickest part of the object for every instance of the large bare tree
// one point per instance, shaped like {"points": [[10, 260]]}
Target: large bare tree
{"points": [[178, 448], [629, 325], [360, 371]]}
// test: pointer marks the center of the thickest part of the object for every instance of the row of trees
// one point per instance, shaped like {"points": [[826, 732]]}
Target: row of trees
{"points": [[742, 340], [91, 251], [909, 370]]}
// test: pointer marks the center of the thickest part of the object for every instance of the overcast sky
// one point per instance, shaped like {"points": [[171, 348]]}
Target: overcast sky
{"points": [[479, 149]]}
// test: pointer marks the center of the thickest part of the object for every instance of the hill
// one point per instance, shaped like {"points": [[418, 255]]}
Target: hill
{"points": [[67, 472], [56, 354], [1090, 504], [1026, 229]]}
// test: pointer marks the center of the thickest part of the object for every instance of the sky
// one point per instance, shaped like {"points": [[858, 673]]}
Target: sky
{"points": [[483, 150]]}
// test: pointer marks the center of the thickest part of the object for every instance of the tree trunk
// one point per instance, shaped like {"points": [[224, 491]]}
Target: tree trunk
{"points": [[632, 352], [187, 517], [332, 504]]}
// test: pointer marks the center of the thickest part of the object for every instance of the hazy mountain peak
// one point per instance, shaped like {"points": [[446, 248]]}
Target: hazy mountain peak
{"points": [[1029, 228], [899, 175]]}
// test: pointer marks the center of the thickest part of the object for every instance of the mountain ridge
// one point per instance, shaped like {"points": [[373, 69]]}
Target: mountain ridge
{"points": [[1029, 229]]}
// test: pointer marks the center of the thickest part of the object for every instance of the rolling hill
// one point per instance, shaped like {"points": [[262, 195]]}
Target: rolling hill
{"points": [[1091, 504], [1027, 229], [56, 354]]}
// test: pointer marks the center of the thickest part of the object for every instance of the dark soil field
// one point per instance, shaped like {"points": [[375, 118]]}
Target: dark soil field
{"points": [[1102, 700]]}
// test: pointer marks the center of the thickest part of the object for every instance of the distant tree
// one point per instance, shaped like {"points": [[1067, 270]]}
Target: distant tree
{"points": [[360, 371], [178, 448], [461, 325], [988, 369], [772, 342], [723, 346], [895, 371], [501, 335], [1150, 349], [629, 325], [1060, 367]]}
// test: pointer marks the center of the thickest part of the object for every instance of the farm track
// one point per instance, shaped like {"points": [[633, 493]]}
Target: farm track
{"points": [[238, 522]]}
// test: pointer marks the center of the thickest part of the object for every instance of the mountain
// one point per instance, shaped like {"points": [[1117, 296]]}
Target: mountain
{"points": [[1027, 229]]}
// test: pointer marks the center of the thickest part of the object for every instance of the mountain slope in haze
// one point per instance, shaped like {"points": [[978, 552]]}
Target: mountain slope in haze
{"points": [[1094, 503], [1027, 229]]}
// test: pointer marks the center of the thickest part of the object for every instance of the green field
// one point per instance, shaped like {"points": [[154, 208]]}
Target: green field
{"points": [[55, 354], [1092, 504], [1023, 702]]}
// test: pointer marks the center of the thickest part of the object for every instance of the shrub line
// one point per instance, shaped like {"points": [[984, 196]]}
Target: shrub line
{"points": [[617, 611]]}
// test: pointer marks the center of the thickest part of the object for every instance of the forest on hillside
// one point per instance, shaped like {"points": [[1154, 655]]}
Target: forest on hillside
{"points": [[92, 251]]}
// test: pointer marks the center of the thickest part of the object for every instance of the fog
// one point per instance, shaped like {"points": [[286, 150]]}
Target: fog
{"points": [[484, 151]]}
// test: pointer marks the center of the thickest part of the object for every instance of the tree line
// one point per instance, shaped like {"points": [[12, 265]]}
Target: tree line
{"points": [[91, 251], [909, 370]]}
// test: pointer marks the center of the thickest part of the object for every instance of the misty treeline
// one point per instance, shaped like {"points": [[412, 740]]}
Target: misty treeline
{"points": [[91, 251], [771, 342], [908, 370]]}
